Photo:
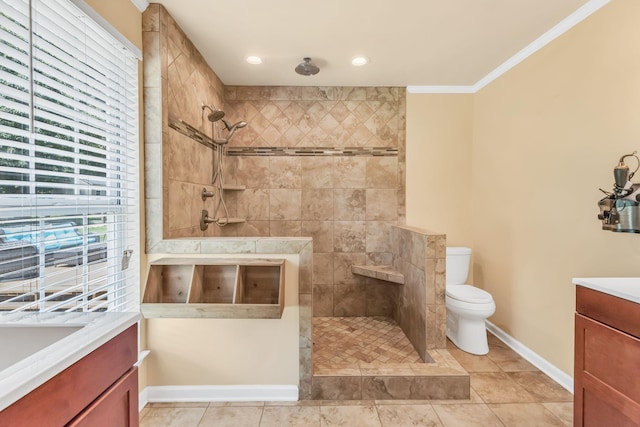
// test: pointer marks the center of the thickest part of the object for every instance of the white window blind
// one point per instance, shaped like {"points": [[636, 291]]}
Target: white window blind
{"points": [[68, 162]]}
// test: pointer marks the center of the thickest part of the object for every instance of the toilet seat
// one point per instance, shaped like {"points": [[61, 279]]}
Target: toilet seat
{"points": [[469, 294]]}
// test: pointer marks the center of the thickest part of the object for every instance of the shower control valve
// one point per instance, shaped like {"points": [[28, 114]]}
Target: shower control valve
{"points": [[206, 194], [205, 220]]}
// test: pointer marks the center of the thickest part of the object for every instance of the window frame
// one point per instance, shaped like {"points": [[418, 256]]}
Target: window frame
{"points": [[119, 288]]}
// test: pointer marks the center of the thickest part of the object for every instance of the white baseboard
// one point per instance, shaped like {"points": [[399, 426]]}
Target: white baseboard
{"points": [[143, 399], [534, 358], [215, 393]]}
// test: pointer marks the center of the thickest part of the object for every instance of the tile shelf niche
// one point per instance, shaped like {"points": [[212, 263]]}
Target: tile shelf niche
{"points": [[241, 288], [381, 272], [236, 220], [233, 187]]}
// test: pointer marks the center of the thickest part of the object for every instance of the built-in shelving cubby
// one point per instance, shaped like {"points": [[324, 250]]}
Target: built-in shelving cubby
{"points": [[219, 288]]}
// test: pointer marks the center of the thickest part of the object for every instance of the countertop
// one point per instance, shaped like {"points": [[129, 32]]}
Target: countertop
{"points": [[622, 287], [24, 376]]}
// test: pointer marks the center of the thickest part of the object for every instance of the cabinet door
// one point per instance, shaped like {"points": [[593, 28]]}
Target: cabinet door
{"points": [[116, 407], [607, 392]]}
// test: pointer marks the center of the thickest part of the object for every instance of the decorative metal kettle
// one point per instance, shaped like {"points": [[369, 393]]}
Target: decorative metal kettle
{"points": [[620, 209]]}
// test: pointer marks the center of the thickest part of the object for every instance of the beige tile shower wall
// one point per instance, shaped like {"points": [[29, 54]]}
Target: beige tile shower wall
{"points": [[177, 82], [317, 116], [421, 311], [346, 203]]}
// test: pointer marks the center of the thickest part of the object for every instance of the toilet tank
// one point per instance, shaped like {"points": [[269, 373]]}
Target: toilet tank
{"points": [[458, 260]]}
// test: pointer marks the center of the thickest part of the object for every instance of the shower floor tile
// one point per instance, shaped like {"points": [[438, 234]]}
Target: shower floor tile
{"points": [[371, 358], [364, 342]]}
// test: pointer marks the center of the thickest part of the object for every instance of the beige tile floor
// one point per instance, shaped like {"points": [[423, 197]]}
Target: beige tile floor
{"points": [[345, 341], [506, 391]]}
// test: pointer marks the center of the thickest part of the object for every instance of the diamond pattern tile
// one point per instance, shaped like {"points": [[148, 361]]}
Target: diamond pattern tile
{"points": [[342, 341], [316, 122]]}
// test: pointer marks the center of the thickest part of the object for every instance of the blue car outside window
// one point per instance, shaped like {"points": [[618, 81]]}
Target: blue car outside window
{"points": [[60, 237]]}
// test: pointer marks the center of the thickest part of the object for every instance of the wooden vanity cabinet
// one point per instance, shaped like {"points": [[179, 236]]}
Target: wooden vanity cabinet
{"points": [[607, 360], [101, 389], [118, 406]]}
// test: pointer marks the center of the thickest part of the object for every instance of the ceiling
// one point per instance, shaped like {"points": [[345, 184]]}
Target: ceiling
{"points": [[408, 42]]}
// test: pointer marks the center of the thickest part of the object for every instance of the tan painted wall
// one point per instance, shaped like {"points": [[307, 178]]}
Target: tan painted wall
{"points": [[546, 136], [439, 183], [123, 15]]}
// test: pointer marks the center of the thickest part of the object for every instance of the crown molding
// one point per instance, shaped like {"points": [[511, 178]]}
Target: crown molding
{"points": [[562, 27], [140, 4], [559, 29]]}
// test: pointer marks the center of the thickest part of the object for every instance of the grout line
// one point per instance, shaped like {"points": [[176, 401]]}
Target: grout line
{"points": [[478, 394], [437, 416], [203, 414], [261, 415], [557, 375], [496, 415], [375, 408]]}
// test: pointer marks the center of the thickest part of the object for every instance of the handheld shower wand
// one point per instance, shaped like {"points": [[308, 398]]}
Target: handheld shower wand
{"points": [[232, 128], [218, 174]]}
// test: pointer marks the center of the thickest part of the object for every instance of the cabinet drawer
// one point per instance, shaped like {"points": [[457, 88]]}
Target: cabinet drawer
{"points": [[613, 311], [599, 412], [609, 356]]}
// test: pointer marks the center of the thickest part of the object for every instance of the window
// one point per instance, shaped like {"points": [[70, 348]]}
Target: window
{"points": [[69, 224]]}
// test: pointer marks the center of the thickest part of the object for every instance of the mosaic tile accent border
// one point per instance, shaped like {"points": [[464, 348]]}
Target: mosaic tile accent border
{"points": [[313, 151], [193, 133]]}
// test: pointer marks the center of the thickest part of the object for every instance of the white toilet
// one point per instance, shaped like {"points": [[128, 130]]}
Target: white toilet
{"points": [[467, 306]]}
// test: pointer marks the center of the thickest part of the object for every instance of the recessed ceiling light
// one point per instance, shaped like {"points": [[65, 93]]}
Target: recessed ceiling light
{"points": [[254, 60], [359, 61]]}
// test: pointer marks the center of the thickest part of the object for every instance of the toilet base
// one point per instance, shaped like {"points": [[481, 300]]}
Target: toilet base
{"points": [[468, 334]]}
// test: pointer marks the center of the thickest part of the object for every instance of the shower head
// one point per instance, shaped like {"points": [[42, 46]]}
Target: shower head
{"points": [[307, 68], [215, 114]]}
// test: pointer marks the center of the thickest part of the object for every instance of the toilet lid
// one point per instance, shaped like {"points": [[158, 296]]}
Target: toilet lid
{"points": [[468, 293]]}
